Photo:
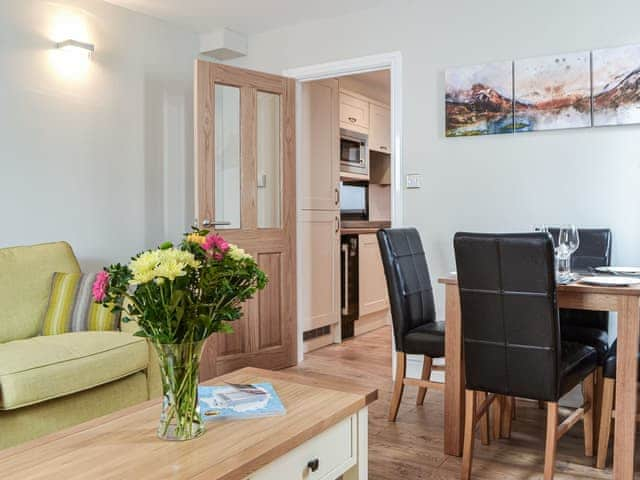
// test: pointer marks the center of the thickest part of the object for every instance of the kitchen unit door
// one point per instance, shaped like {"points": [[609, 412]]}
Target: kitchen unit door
{"points": [[373, 295], [245, 184], [320, 146], [320, 267], [380, 128]]}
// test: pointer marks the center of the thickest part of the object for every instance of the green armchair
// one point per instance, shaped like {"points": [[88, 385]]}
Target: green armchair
{"points": [[48, 383]]}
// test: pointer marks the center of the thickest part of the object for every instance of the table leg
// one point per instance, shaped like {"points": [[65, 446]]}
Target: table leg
{"points": [[454, 375], [626, 387]]}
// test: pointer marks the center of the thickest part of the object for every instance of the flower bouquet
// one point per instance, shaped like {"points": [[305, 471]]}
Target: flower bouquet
{"points": [[179, 296]]}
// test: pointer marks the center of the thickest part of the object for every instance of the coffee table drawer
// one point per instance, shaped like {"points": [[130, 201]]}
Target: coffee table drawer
{"points": [[324, 457]]}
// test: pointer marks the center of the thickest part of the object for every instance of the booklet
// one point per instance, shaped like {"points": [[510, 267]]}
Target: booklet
{"points": [[233, 401]]}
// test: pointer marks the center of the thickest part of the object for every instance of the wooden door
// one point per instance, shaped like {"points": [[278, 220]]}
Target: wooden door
{"points": [[320, 146], [372, 290], [245, 181], [380, 129], [320, 258]]}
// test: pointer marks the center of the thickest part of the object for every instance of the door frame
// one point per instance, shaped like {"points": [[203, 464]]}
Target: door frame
{"points": [[386, 61]]}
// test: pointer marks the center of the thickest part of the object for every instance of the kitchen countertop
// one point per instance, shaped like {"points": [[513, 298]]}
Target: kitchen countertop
{"points": [[355, 227]]}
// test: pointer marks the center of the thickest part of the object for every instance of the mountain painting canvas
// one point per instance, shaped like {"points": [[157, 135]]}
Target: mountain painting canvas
{"points": [[616, 86], [479, 99], [552, 92]]}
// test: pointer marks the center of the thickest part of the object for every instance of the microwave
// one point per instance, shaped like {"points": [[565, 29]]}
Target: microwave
{"points": [[354, 153]]}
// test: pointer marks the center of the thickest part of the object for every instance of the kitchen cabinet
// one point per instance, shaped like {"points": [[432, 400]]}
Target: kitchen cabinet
{"points": [[320, 272], [320, 146], [372, 290], [354, 112], [379, 128]]}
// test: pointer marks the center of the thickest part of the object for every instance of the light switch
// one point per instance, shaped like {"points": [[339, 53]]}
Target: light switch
{"points": [[414, 180]]}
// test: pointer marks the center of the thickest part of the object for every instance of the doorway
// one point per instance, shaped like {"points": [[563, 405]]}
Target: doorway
{"points": [[353, 68]]}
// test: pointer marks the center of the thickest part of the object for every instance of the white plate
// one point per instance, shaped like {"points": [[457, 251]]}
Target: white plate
{"points": [[619, 270], [611, 281]]}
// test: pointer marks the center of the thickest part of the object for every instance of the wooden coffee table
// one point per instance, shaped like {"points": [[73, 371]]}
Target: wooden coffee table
{"points": [[322, 436]]}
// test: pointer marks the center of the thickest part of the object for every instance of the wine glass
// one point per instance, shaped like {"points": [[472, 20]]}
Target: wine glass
{"points": [[568, 243]]}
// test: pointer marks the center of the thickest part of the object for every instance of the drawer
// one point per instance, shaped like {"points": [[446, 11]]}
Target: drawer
{"points": [[335, 449], [354, 113]]}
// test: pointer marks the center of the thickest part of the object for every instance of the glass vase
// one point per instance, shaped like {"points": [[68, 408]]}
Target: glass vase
{"points": [[180, 368]]}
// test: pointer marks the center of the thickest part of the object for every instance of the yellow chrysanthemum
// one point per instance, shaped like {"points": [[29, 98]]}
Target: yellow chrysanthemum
{"points": [[143, 266], [195, 238], [170, 269], [237, 253]]}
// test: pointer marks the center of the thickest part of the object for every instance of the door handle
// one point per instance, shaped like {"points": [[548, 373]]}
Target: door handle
{"points": [[345, 280], [337, 196], [337, 224], [214, 223]]}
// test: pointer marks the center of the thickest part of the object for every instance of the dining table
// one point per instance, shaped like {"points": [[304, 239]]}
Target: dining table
{"points": [[625, 300]]}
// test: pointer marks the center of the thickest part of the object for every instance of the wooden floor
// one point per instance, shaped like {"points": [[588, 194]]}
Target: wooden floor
{"points": [[412, 447]]}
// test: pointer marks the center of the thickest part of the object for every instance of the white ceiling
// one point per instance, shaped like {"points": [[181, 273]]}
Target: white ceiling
{"points": [[246, 16]]}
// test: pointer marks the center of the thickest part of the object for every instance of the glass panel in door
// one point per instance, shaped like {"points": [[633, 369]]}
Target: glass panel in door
{"points": [[269, 160], [227, 157]]}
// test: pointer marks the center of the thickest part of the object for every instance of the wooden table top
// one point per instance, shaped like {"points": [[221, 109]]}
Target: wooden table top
{"points": [[575, 287], [124, 444]]}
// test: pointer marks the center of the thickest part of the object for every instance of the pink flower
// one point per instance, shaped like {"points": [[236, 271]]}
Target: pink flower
{"points": [[100, 286], [214, 243]]}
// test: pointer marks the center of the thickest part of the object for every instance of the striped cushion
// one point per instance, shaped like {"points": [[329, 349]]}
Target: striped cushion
{"points": [[72, 309]]}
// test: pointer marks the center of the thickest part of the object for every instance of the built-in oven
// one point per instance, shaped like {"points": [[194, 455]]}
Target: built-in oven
{"points": [[354, 201], [354, 153]]}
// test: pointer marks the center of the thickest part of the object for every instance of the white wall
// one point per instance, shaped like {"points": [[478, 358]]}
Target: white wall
{"points": [[590, 177], [103, 156]]}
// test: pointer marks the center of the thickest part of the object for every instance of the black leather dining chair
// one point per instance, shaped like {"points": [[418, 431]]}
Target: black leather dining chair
{"points": [[413, 313], [607, 412], [513, 345], [585, 326]]}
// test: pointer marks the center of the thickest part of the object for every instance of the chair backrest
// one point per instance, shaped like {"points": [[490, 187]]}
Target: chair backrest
{"points": [[408, 281], [509, 313], [25, 284], [594, 251]]}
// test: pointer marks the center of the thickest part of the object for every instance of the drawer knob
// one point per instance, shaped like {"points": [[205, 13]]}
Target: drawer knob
{"points": [[313, 465], [353, 119]]}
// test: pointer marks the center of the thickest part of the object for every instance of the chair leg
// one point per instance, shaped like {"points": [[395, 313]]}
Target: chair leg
{"points": [[427, 362], [497, 411], [552, 440], [469, 427], [398, 387], [597, 403], [507, 417], [608, 389], [484, 420], [589, 398], [541, 404]]}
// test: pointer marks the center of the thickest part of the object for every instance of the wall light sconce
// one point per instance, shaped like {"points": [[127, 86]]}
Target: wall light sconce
{"points": [[74, 46]]}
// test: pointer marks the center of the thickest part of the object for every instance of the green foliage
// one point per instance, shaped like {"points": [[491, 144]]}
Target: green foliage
{"points": [[189, 308]]}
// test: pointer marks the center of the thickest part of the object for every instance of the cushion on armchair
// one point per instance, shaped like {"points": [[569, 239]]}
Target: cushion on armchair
{"points": [[42, 368]]}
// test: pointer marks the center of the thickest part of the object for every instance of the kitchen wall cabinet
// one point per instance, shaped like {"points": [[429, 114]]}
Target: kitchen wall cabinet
{"points": [[320, 146], [379, 128], [372, 290], [354, 112]]}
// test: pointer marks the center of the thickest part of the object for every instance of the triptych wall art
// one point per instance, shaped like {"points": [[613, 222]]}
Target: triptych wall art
{"points": [[573, 90]]}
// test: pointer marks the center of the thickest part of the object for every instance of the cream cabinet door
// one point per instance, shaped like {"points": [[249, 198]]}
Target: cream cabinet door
{"points": [[320, 257], [354, 113], [372, 283], [320, 146], [380, 128]]}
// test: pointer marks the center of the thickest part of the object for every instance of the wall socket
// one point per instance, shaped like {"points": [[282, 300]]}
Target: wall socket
{"points": [[414, 180]]}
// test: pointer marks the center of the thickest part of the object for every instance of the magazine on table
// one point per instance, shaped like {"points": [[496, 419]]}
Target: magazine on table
{"points": [[235, 401]]}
